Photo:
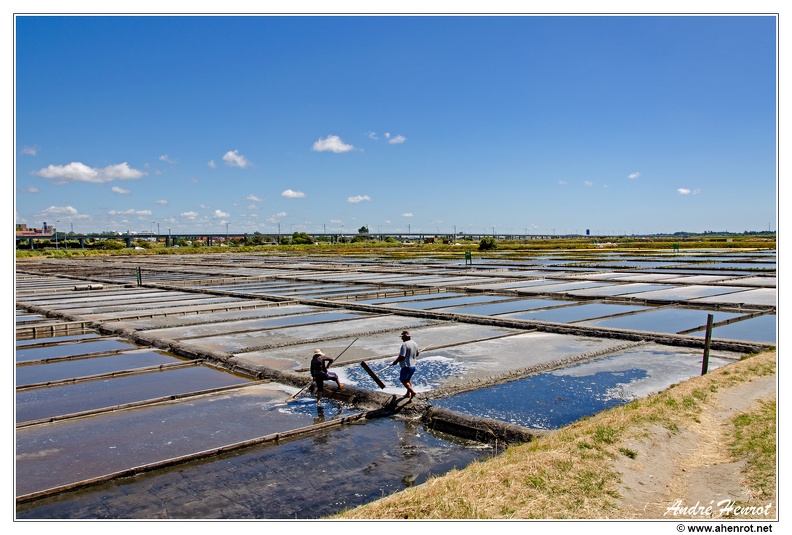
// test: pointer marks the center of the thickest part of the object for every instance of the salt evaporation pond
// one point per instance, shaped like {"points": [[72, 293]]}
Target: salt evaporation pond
{"points": [[758, 329], [310, 478], [555, 399]]}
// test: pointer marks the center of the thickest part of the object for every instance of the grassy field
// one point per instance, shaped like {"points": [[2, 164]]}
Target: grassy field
{"points": [[570, 474], [507, 249]]}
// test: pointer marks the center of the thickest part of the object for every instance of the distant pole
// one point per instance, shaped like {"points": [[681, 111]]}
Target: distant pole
{"points": [[707, 340]]}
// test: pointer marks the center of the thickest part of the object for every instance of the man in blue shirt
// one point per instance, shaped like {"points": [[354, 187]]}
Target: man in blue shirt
{"points": [[407, 354]]}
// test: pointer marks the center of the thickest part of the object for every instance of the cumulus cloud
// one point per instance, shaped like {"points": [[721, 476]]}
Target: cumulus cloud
{"points": [[30, 151], [588, 183], [120, 171], [189, 215], [253, 198], [164, 158], [687, 191], [61, 211], [79, 172], [161, 202], [358, 198], [131, 211], [372, 135], [276, 217], [331, 143], [219, 214], [633, 176], [234, 159], [32, 189], [395, 140], [407, 214], [212, 164], [120, 191], [291, 194]]}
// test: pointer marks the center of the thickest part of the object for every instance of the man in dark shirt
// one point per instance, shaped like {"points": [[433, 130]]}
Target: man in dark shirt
{"points": [[319, 372]]}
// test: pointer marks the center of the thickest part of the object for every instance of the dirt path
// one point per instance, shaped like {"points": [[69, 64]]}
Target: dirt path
{"points": [[691, 468]]}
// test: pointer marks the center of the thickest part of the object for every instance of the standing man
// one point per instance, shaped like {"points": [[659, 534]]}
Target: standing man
{"points": [[320, 374], [407, 354]]}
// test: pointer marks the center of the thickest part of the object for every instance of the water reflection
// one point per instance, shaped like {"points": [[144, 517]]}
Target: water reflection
{"points": [[308, 478], [547, 401]]}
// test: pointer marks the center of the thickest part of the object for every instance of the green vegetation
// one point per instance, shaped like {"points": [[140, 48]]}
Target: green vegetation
{"points": [[570, 474], [583, 250], [488, 244], [755, 440]]}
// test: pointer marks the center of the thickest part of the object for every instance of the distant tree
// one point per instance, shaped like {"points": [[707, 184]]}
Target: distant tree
{"points": [[487, 244], [113, 244], [301, 238], [363, 230]]}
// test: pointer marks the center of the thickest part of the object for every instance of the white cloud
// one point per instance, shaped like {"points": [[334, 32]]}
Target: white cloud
{"points": [[32, 189], [219, 214], [395, 140], [61, 211], [358, 198], [372, 135], [331, 143], [131, 211], [189, 215], [588, 183], [234, 159], [161, 202], [164, 158], [212, 164], [686, 191], [120, 191], [633, 175], [291, 194], [253, 198], [79, 172], [277, 217], [407, 214], [30, 151], [120, 171], [562, 182]]}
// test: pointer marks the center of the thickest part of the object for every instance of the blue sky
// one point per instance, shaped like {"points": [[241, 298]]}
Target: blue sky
{"points": [[426, 124]]}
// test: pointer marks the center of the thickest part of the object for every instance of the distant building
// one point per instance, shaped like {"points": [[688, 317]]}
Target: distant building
{"points": [[22, 230]]}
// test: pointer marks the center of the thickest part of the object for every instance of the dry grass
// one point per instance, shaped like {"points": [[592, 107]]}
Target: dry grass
{"points": [[569, 474]]}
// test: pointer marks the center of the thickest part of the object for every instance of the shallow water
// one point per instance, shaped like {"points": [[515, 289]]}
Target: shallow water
{"points": [[88, 395], [555, 399], [67, 349], [309, 478], [667, 320], [59, 371], [758, 329]]}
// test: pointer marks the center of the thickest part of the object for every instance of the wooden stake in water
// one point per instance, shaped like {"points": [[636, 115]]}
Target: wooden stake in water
{"points": [[707, 340]]}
